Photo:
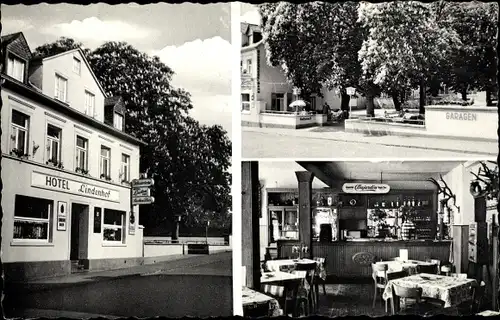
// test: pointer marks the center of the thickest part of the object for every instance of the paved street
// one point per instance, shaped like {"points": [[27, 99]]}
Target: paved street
{"points": [[199, 286], [304, 143]]}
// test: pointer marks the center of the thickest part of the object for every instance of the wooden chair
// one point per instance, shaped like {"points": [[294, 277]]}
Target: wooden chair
{"points": [[436, 262], [306, 296], [432, 269], [277, 292], [477, 296], [318, 280], [458, 275], [419, 306], [379, 282]]}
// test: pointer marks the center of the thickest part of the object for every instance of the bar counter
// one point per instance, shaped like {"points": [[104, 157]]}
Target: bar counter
{"points": [[353, 258]]}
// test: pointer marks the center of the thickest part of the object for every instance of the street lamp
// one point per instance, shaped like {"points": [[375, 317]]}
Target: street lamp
{"points": [[350, 91]]}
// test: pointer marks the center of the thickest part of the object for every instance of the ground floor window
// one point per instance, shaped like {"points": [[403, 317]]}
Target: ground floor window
{"points": [[32, 218], [278, 101], [113, 225], [245, 102]]}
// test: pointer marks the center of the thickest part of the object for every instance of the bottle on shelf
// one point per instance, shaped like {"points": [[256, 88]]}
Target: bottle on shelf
{"points": [[383, 203], [392, 203], [413, 202], [397, 202], [419, 203]]}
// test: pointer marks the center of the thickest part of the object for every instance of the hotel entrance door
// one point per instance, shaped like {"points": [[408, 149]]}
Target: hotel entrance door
{"points": [[79, 236]]}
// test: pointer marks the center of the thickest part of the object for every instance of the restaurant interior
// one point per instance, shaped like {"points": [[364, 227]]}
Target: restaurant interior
{"points": [[375, 238]]}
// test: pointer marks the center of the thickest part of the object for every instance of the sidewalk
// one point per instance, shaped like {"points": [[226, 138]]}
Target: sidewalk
{"points": [[429, 143], [52, 314], [178, 262]]}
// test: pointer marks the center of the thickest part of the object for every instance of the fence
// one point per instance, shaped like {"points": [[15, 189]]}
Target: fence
{"points": [[168, 247]]}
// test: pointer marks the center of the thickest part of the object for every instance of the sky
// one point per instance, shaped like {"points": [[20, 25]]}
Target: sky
{"points": [[192, 39], [249, 13]]}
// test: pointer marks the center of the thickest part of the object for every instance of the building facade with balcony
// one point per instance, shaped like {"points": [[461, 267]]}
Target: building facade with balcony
{"points": [[266, 93], [67, 164]]}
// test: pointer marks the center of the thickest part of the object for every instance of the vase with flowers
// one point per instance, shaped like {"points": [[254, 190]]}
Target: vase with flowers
{"points": [[379, 220], [408, 215]]}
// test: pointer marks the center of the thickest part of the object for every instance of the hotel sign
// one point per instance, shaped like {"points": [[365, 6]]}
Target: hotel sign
{"points": [[373, 188], [45, 181]]}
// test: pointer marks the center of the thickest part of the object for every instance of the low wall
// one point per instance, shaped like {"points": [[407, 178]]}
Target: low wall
{"points": [[156, 250], [383, 128], [211, 240], [462, 121], [215, 249], [284, 120]]}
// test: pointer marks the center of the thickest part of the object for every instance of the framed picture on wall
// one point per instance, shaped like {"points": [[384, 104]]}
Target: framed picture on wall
{"points": [[61, 215]]}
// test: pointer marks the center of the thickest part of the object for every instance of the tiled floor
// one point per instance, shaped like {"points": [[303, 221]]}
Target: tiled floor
{"points": [[349, 300]]}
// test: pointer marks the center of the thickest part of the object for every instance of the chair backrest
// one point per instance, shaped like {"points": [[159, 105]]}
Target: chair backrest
{"points": [[396, 275], [319, 259], [309, 269], [433, 269], [378, 268], [403, 292], [276, 291]]}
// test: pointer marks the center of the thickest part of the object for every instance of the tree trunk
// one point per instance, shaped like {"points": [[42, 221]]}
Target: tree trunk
{"points": [[489, 102], [395, 98], [464, 93], [422, 96], [370, 105], [344, 103]]}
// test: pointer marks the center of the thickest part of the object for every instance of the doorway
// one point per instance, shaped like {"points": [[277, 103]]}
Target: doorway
{"points": [[78, 236]]}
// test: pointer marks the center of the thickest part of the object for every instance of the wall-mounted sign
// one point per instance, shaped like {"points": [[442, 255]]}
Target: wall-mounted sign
{"points": [[464, 116], [142, 182], [131, 226], [305, 118], [97, 219], [142, 200], [141, 192], [374, 188], [45, 181], [61, 215]]}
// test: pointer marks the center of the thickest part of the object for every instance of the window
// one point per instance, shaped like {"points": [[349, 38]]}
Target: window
{"points": [[245, 102], [125, 167], [61, 88], [105, 162], [15, 68], [53, 144], [118, 121], [81, 154], [77, 65], [32, 218], [19, 134], [89, 103], [249, 66], [277, 101], [113, 225]]}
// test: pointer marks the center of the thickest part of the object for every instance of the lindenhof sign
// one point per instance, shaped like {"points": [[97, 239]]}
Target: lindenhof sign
{"points": [[374, 188], [45, 181]]}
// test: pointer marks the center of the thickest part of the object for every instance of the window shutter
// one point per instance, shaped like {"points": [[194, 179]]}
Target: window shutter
{"points": [[273, 101], [288, 101]]}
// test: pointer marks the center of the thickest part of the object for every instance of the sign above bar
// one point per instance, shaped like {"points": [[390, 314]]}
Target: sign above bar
{"points": [[373, 188], [45, 181]]}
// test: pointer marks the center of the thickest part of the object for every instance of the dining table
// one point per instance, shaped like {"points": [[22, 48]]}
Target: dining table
{"points": [[398, 265], [252, 299], [451, 290], [289, 264]]}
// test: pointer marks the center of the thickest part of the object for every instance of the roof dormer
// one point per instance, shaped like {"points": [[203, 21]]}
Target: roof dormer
{"points": [[16, 55], [114, 113]]}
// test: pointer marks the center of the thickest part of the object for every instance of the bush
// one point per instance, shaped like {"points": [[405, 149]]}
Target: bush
{"points": [[454, 102]]}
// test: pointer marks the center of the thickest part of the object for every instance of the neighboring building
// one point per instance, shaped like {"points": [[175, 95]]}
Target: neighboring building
{"points": [[67, 165], [266, 91]]}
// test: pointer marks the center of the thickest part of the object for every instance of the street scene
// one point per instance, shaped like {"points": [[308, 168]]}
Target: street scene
{"points": [[116, 160], [370, 238], [369, 84]]}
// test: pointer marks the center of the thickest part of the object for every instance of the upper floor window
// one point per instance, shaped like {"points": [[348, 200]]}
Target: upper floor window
{"points": [[249, 66], [53, 144], [20, 132], [105, 165], [125, 167], [77, 65], [245, 102], [61, 88], [89, 103], [15, 68], [118, 121], [82, 146]]}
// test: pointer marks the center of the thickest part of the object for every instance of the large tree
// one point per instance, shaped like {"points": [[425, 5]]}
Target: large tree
{"points": [[404, 43], [315, 43], [188, 161]]}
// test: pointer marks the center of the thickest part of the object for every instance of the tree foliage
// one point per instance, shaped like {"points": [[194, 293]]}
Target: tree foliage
{"points": [[187, 160]]}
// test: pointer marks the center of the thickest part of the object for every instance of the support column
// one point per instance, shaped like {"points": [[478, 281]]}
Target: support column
{"points": [[305, 179], [250, 223]]}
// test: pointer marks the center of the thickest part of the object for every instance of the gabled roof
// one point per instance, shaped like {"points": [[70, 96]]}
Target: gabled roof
{"points": [[9, 38], [86, 63], [111, 101], [245, 27]]}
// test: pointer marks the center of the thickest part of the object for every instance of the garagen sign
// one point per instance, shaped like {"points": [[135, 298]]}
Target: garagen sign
{"points": [[373, 188], [81, 188]]}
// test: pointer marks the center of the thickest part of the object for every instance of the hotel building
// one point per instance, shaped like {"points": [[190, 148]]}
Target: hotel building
{"points": [[67, 164]]}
